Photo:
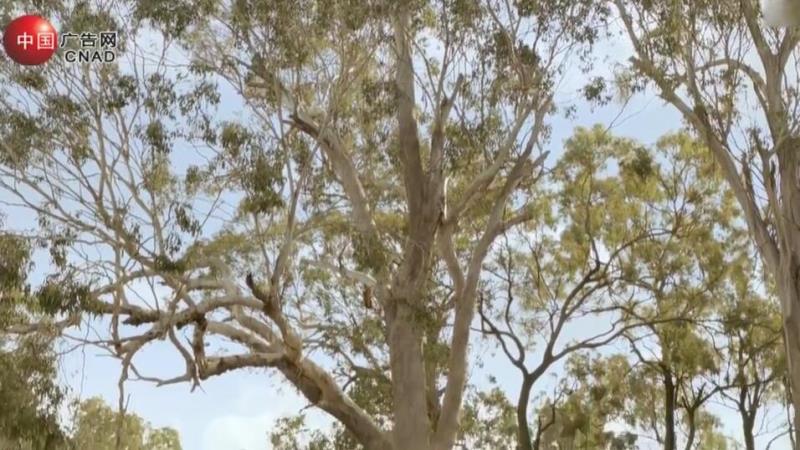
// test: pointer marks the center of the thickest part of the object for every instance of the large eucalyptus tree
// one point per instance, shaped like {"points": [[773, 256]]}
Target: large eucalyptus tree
{"points": [[335, 229]]}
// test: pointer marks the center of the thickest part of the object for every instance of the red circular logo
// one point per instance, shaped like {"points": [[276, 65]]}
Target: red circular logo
{"points": [[30, 40]]}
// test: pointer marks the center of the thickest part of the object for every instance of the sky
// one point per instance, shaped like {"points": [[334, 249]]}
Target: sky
{"points": [[237, 411]]}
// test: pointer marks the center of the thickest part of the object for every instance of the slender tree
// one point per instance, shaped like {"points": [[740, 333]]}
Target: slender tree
{"points": [[749, 344]]}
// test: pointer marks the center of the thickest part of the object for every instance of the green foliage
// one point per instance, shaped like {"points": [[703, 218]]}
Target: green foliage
{"points": [[63, 296], [289, 430], [594, 392], [29, 392], [14, 266], [262, 182], [21, 134], [30, 395], [617, 230], [489, 421], [97, 424]]}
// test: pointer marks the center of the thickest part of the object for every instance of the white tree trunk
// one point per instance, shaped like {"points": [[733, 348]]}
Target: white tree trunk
{"points": [[787, 274], [412, 427]]}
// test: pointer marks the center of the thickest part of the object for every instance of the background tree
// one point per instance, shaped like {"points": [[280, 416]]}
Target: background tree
{"points": [[637, 238], [592, 395], [681, 276], [96, 427], [733, 79], [750, 346], [29, 392], [567, 268]]}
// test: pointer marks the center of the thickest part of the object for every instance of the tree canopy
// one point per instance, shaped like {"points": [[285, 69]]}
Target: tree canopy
{"points": [[362, 197]]}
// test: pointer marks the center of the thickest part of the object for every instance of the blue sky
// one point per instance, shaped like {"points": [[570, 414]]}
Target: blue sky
{"points": [[235, 411]]}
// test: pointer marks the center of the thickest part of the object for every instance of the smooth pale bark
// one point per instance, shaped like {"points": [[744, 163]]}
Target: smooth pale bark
{"points": [[447, 427], [321, 389], [785, 206], [404, 306], [412, 427], [430, 224], [403, 300], [788, 293]]}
